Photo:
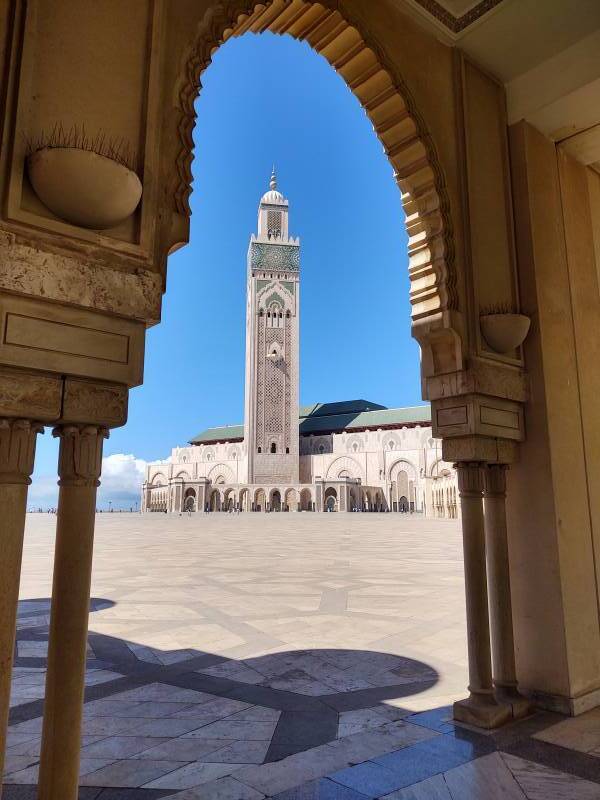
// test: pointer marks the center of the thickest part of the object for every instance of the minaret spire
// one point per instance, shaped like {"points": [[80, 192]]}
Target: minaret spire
{"points": [[273, 181]]}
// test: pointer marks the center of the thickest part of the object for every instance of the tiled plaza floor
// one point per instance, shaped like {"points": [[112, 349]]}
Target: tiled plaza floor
{"points": [[294, 656]]}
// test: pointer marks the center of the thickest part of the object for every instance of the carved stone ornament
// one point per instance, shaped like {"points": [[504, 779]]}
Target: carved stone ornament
{"points": [[470, 478], [495, 480], [88, 402], [32, 395], [80, 454], [17, 449], [77, 281]]}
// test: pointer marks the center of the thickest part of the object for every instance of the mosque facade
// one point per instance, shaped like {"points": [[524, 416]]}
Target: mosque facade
{"points": [[353, 455]]}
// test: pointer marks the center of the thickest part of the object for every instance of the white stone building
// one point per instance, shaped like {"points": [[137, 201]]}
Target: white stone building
{"points": [[345, 456]]}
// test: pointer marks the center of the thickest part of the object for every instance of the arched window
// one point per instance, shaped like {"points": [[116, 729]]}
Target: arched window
{"points": [[321, 448], [260, 449], [287, 449], [391, 445], [355, 447], [273, 447]]}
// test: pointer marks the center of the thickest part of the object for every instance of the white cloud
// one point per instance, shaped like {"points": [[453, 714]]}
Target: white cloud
{"points": [[121, 481]]}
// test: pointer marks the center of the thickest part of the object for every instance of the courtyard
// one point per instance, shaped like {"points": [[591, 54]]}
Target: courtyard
{"points": [[279, 655]]}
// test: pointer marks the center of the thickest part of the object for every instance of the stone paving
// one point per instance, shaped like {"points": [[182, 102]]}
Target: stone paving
{"points": [[296, 656]]}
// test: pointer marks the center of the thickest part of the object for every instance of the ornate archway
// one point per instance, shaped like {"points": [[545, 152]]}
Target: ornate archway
{"points": [[360, 61], [189, 501], [306, 500], [275, 500], [291, 500]]}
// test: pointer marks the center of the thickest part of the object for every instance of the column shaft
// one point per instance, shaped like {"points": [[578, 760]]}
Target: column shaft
{"points": [[480, 708], [503, 648], [79, 469], [17, 451]]}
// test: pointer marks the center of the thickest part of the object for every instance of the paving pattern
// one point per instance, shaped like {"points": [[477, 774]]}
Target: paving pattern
{"points": [[296, 656]]}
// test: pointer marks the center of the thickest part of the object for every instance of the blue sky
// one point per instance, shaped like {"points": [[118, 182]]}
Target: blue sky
{"points": [[269, 99]]}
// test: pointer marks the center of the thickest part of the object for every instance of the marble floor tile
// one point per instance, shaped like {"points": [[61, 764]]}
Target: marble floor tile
{"points": [[485, 777], [185, 749], [119, 747], [129, 773], [216, 707], [191, 775], [580, 733], [240, 752], [539, 782], [322, 789], [227, 788], [235, 729], [434, 788]]}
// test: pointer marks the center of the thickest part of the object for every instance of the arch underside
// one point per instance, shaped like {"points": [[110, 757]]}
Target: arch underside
{"points": [[387, 103]]}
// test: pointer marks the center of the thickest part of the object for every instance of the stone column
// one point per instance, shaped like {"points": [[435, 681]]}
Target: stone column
{"points": [[80, 459], [17, 452], [480, 708], [503, 649]]}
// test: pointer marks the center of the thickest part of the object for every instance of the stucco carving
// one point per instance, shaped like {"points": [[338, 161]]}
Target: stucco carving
{"points": [[88, 402], [80, 454], [26, 270], [345, 464], [221, 470], [17, 449], [404, 466], [33, 395]]}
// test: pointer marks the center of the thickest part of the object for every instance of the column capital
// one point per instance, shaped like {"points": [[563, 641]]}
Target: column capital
{"points": [[80, 455], [17, 449], [494, 476], [470, 478]]}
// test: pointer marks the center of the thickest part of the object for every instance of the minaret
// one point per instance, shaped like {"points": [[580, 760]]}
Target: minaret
{"points": [[272, 333]]}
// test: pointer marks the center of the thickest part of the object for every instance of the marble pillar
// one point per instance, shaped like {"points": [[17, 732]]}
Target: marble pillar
{"points": [[17, 453], [501, 622], [481, 707], [80, 459]]}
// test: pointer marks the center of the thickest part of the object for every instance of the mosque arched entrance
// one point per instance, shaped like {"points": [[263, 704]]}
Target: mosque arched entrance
{"points": [[275, 500], [435, 280], [189, 503]]}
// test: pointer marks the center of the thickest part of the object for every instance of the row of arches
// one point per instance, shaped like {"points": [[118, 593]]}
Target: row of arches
{"points": [[248, 499], [445, 502]]}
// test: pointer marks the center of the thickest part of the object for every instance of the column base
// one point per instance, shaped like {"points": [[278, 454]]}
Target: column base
{"points": [[482, 711], [510, 695]]}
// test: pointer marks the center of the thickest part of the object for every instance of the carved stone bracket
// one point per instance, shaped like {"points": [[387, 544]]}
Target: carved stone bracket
{"points": [[17, 449], [485, 449], [80, 455]]}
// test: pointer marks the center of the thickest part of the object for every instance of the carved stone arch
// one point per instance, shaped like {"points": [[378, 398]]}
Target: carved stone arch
{"points": [[406, 466], [344, 464], [440, 467], [158, 479], [391, 440], [357, 440], [221, 470], [274, 297], [184, 476], [355, 54]]}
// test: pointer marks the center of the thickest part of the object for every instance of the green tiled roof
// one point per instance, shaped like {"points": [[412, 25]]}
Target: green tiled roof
{"points": [[332, 418], [224, 433], [344, 407]]}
